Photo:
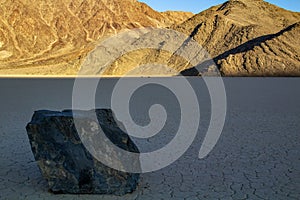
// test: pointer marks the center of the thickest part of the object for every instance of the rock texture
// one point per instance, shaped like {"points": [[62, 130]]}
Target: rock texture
{"points": [[53, 36], [65, 162], [248, 38], [176, 17]]}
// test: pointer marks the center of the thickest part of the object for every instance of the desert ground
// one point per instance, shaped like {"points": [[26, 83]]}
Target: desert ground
{"points": [[256, 157]]}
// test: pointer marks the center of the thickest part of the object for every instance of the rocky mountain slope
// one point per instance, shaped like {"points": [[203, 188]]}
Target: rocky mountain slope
{"points": [[244, 37], [248, 38], [176, 17], [53, 36]]}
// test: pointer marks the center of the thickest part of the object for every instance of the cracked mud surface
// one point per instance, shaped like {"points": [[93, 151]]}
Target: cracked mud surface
{"points": [[257, 156]]}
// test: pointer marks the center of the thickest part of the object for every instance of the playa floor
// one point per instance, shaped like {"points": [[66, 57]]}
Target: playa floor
{"points": [[256, 157]]}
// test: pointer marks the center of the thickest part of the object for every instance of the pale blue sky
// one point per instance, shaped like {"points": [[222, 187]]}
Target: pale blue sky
{"points": [[197, 6]]}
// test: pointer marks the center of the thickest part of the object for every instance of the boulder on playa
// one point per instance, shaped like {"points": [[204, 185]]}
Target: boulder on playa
{"points": [[68, 165]]}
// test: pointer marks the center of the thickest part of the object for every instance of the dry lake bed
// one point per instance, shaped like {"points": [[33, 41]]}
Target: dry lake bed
{"points": [[256, 157]]}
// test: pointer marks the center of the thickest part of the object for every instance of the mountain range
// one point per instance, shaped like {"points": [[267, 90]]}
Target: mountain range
{"points": [[52, 37]]}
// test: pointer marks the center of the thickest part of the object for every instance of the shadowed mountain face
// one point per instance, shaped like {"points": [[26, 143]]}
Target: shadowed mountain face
{"points": [[51, 37], [248, 38]]}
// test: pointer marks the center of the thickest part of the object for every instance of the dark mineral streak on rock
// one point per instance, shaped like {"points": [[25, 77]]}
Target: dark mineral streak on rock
{"points": [[65, 162]]}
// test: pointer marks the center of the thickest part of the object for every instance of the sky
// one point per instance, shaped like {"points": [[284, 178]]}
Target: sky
{"points": [[197, 6]]}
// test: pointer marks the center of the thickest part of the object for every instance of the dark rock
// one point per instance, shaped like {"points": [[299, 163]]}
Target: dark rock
{"points": [[67, 164]]}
